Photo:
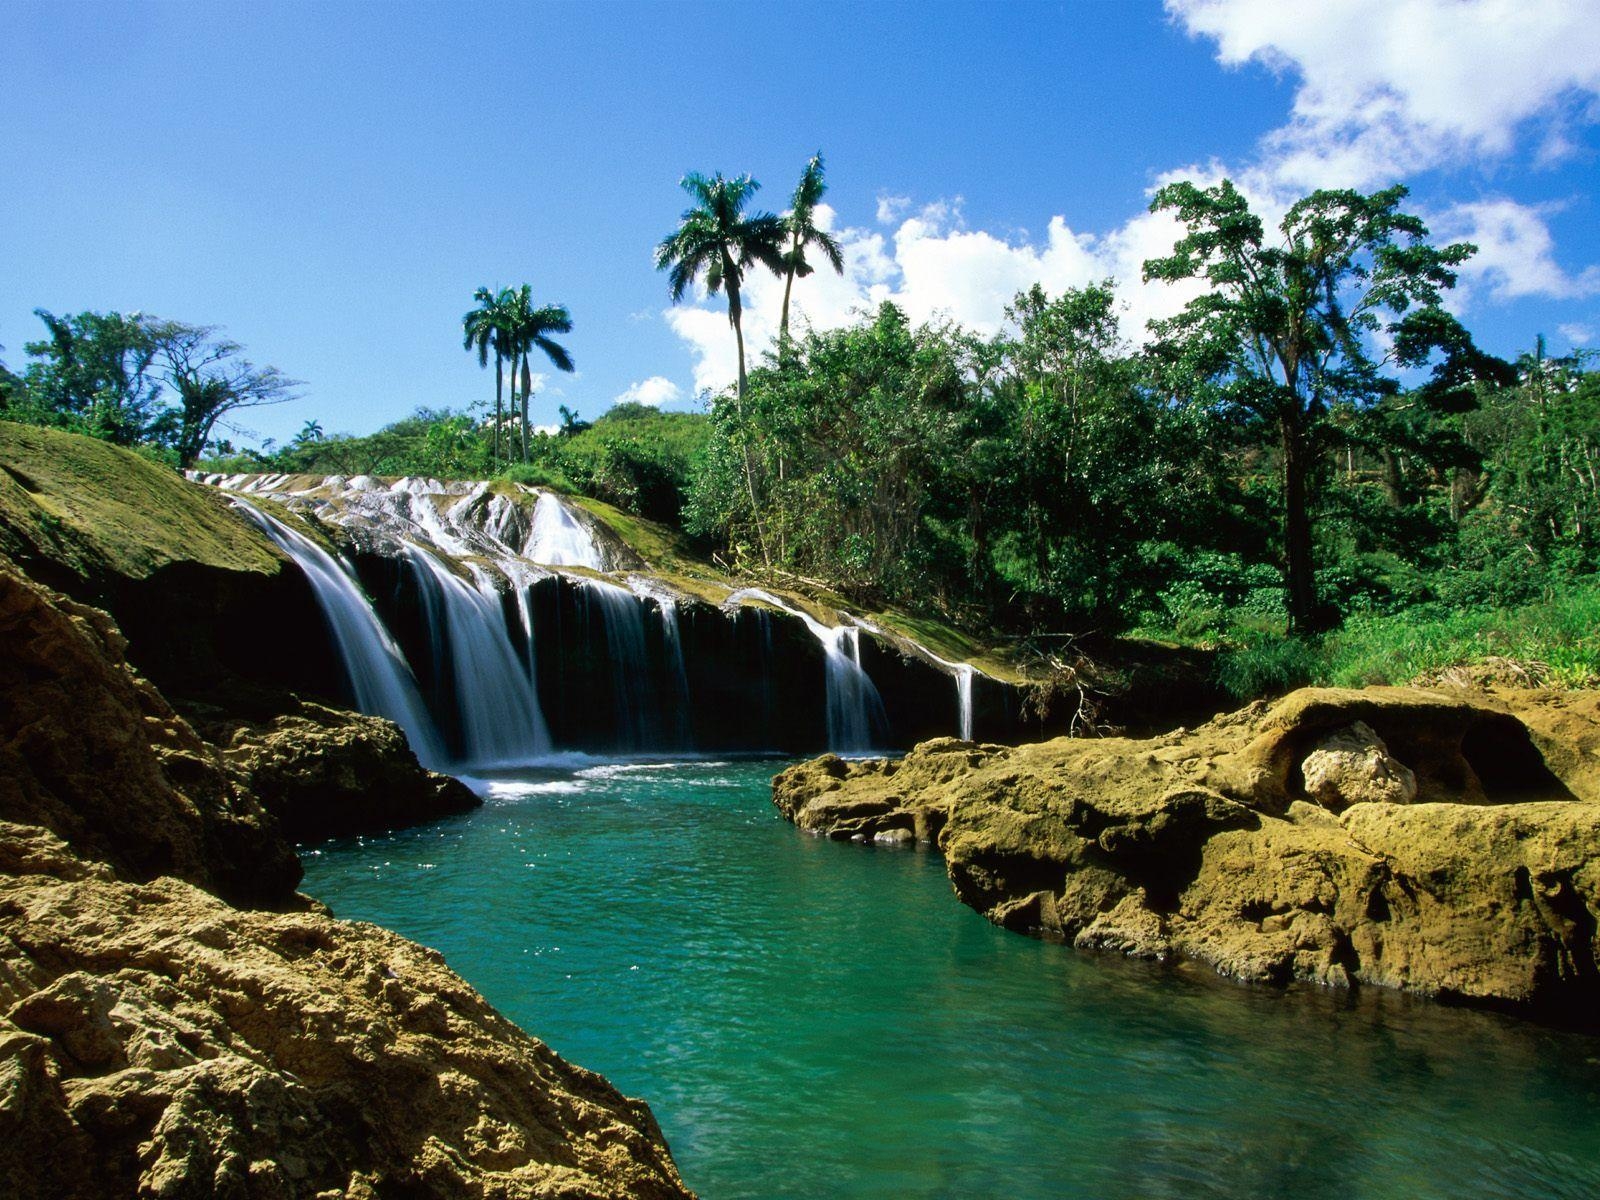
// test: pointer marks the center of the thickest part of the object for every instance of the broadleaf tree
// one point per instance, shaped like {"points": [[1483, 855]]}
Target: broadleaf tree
{"points": [[1290, 330]]}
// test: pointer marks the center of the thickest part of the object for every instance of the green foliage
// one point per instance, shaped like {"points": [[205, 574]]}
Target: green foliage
{"points": [[1283, 337], [1553, 641], [138, 381]]}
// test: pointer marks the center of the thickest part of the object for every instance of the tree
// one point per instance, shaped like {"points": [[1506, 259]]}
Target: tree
{"points": [[800, 226], [93, 374], [529, 327], [210, 380], [715, 238], [1287, 333], [111, 376], [489, 327]]}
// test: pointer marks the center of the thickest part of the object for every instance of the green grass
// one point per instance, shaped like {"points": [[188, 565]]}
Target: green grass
{"points": [[1554, 642], [97, 510]]}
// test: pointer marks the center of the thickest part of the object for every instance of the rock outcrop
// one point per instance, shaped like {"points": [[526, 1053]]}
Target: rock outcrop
{"points": [[156, 1039], [157, 1042], [93, 753], [325, 772], [1442, 845]]}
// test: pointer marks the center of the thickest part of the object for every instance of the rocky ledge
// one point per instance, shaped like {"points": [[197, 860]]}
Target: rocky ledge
{"points": [[1447, 844], [176, 1021]]}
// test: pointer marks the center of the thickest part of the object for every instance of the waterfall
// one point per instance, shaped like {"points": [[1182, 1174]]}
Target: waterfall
{"points": [[856, 718], [677, 671], [501, 723], [622, 615], [964, 674], [558, 539], [379, 678]]}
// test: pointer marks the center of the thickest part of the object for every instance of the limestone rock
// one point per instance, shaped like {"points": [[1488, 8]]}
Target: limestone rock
{"points": [[1210, 845], [1353, 766], [93, 753], [326, 772], [155, 1041]]}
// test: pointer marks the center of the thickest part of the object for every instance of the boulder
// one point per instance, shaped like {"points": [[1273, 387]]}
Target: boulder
{"points": [[155, 1041], [1353, 766], [325, 772], [1419, 840]]}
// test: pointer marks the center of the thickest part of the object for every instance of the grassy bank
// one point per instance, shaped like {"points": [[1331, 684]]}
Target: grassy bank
{"points": [[1555, 642]]}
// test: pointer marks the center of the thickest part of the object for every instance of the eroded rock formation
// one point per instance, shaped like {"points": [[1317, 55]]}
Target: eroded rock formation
{"points": [[156, 1039], [1477, 880]]}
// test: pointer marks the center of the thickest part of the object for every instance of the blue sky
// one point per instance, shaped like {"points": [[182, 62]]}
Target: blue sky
{"points": [[330, 182]]}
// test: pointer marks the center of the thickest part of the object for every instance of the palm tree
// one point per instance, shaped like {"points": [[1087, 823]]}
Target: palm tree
{"points": [[802, 230], [487, 327], [717, 239], [531, 327]]}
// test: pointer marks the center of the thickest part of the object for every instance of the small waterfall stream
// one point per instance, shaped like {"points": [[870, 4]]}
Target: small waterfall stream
{"points": [[678, 707], [622, 616], [380, 679], [964, 674], [501, 723], [558, 539], [857, 722]]}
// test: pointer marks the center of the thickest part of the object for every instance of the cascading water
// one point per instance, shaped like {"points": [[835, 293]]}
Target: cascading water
{"points": [[501, 723], [479, 704], [677, 670], [964, 674], [380, 679], [857, 722], [622, 615], [558, 539]]}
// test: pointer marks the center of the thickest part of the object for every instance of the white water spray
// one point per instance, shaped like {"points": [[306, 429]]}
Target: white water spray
{"points": [[380, 679], [501, 723]]}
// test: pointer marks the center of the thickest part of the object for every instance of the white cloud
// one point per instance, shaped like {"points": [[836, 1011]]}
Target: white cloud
{"points": [[655, 391], [933, 268], [1391, 87], [1385, 88], [1516, 252], [1578, 335], [892, 208]]}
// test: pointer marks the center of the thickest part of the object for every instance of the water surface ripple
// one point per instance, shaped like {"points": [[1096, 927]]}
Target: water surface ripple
{"points": [[814, 1019]]}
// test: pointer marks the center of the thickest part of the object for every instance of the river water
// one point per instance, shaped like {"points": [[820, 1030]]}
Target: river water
{"points": [[814, 1019]]}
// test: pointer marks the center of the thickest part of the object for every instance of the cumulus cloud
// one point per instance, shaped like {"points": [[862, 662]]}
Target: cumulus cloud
{"points": [[1578, 335], [655, 391], [1385, 88], [1390, 87], [1516, 252], [934, 268]]}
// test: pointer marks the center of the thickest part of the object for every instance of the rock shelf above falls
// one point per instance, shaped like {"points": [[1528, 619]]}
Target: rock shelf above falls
{"points": [[531, 623]]}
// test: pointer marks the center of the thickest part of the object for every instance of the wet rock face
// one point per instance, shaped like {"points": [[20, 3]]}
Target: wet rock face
{"points": [[326, 772], [93, 753], [1392, 837], [155, 1041]]}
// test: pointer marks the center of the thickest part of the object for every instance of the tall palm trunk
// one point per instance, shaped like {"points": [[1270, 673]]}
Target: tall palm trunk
{"points": [[788, 287], [527, 386], [499, 392], [736, 319]]}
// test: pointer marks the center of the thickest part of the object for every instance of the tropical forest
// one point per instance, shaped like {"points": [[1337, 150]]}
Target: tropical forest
{"points": [[554, 669]]}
